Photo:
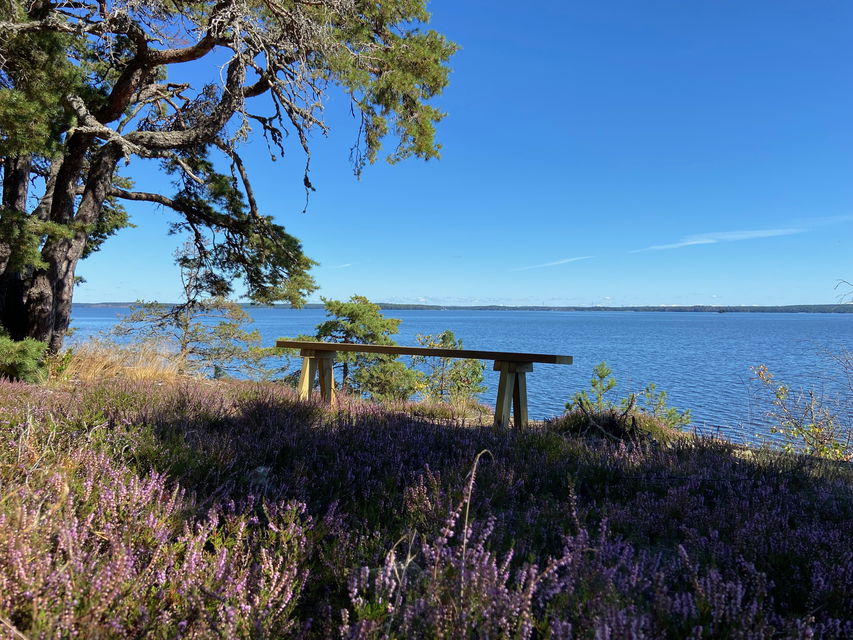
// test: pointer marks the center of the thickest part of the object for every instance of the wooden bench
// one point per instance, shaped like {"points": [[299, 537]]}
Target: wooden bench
{"points": [[319, 358]]}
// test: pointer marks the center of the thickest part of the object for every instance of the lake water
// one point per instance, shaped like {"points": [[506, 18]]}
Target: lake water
{"points": [[703, 360]]}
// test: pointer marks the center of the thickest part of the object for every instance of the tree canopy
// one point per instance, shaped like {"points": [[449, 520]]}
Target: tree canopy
{"points": [[85, 90]]}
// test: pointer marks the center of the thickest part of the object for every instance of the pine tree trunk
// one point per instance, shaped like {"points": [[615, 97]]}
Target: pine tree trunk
{"points": [[16, 174], [13, 315], [48, 297], [35, 302]]}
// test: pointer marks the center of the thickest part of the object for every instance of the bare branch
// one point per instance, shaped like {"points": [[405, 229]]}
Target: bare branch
{"points": [[207, 128], [237, 162], [258, 88], [89, 124], [143, 196], [150, 94], [187, 54]]}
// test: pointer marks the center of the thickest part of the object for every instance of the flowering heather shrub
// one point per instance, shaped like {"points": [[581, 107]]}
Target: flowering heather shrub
{"points": [[230, 509], [598, 587], [91, 550]]}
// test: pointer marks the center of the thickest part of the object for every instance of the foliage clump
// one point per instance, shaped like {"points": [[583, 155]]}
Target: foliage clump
{"points": [[804, 422], [451, 380], [22, 359], [639, 415], [201, 334]]}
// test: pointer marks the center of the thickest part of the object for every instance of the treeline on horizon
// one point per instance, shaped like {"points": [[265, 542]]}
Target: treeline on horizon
{"points": [[791, 308]]}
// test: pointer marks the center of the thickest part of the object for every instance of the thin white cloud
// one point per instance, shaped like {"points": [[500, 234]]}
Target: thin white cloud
{"points": [[826, 220], [554, 263], [722, 236], [340, 266]]}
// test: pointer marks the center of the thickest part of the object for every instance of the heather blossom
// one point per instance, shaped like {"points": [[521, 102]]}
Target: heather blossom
{"points": [[230, 509]]}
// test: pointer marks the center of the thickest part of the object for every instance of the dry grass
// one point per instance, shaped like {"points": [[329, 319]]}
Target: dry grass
{"points": [[457, 411], [99, 360]]}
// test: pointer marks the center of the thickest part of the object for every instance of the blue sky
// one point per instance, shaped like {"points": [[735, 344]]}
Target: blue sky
{"points": [[594, 153]]}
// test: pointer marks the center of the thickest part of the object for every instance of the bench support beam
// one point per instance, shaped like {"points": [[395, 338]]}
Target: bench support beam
{"points": [[512, 393], [317, 364]]}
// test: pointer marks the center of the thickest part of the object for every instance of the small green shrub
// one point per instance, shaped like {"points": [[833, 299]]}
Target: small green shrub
{"points": [[653, 403], [386, 380], [805, 424], [601, 383], [22, 359], [58, 364], [638, 416], [454, 380], [613, 424]]}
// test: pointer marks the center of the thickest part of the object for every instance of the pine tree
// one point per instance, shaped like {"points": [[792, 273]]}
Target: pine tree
{"points": [[85, 90], [359, 321], [205, 334]]}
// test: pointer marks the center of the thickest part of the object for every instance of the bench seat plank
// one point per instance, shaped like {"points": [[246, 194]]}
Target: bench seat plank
{"points": [[504, 356]]}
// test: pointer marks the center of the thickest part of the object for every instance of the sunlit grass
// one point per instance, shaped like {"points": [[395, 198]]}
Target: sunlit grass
{"points": [[99, 360]]}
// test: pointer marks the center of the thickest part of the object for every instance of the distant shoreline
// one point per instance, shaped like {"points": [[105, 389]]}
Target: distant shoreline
{"points": [[794, 308]]}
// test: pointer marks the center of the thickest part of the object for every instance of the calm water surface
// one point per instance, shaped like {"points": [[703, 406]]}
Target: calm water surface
{"points": [[703, 360]]}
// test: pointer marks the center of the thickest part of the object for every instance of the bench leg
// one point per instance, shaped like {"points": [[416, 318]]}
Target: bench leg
{"points": [[306, 378], [506, 387], [325, 369], [519, 400], [317, 364], [512, 393]]}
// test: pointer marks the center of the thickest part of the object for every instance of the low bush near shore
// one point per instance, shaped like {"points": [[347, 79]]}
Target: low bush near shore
{"points": [[200, 509]]}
